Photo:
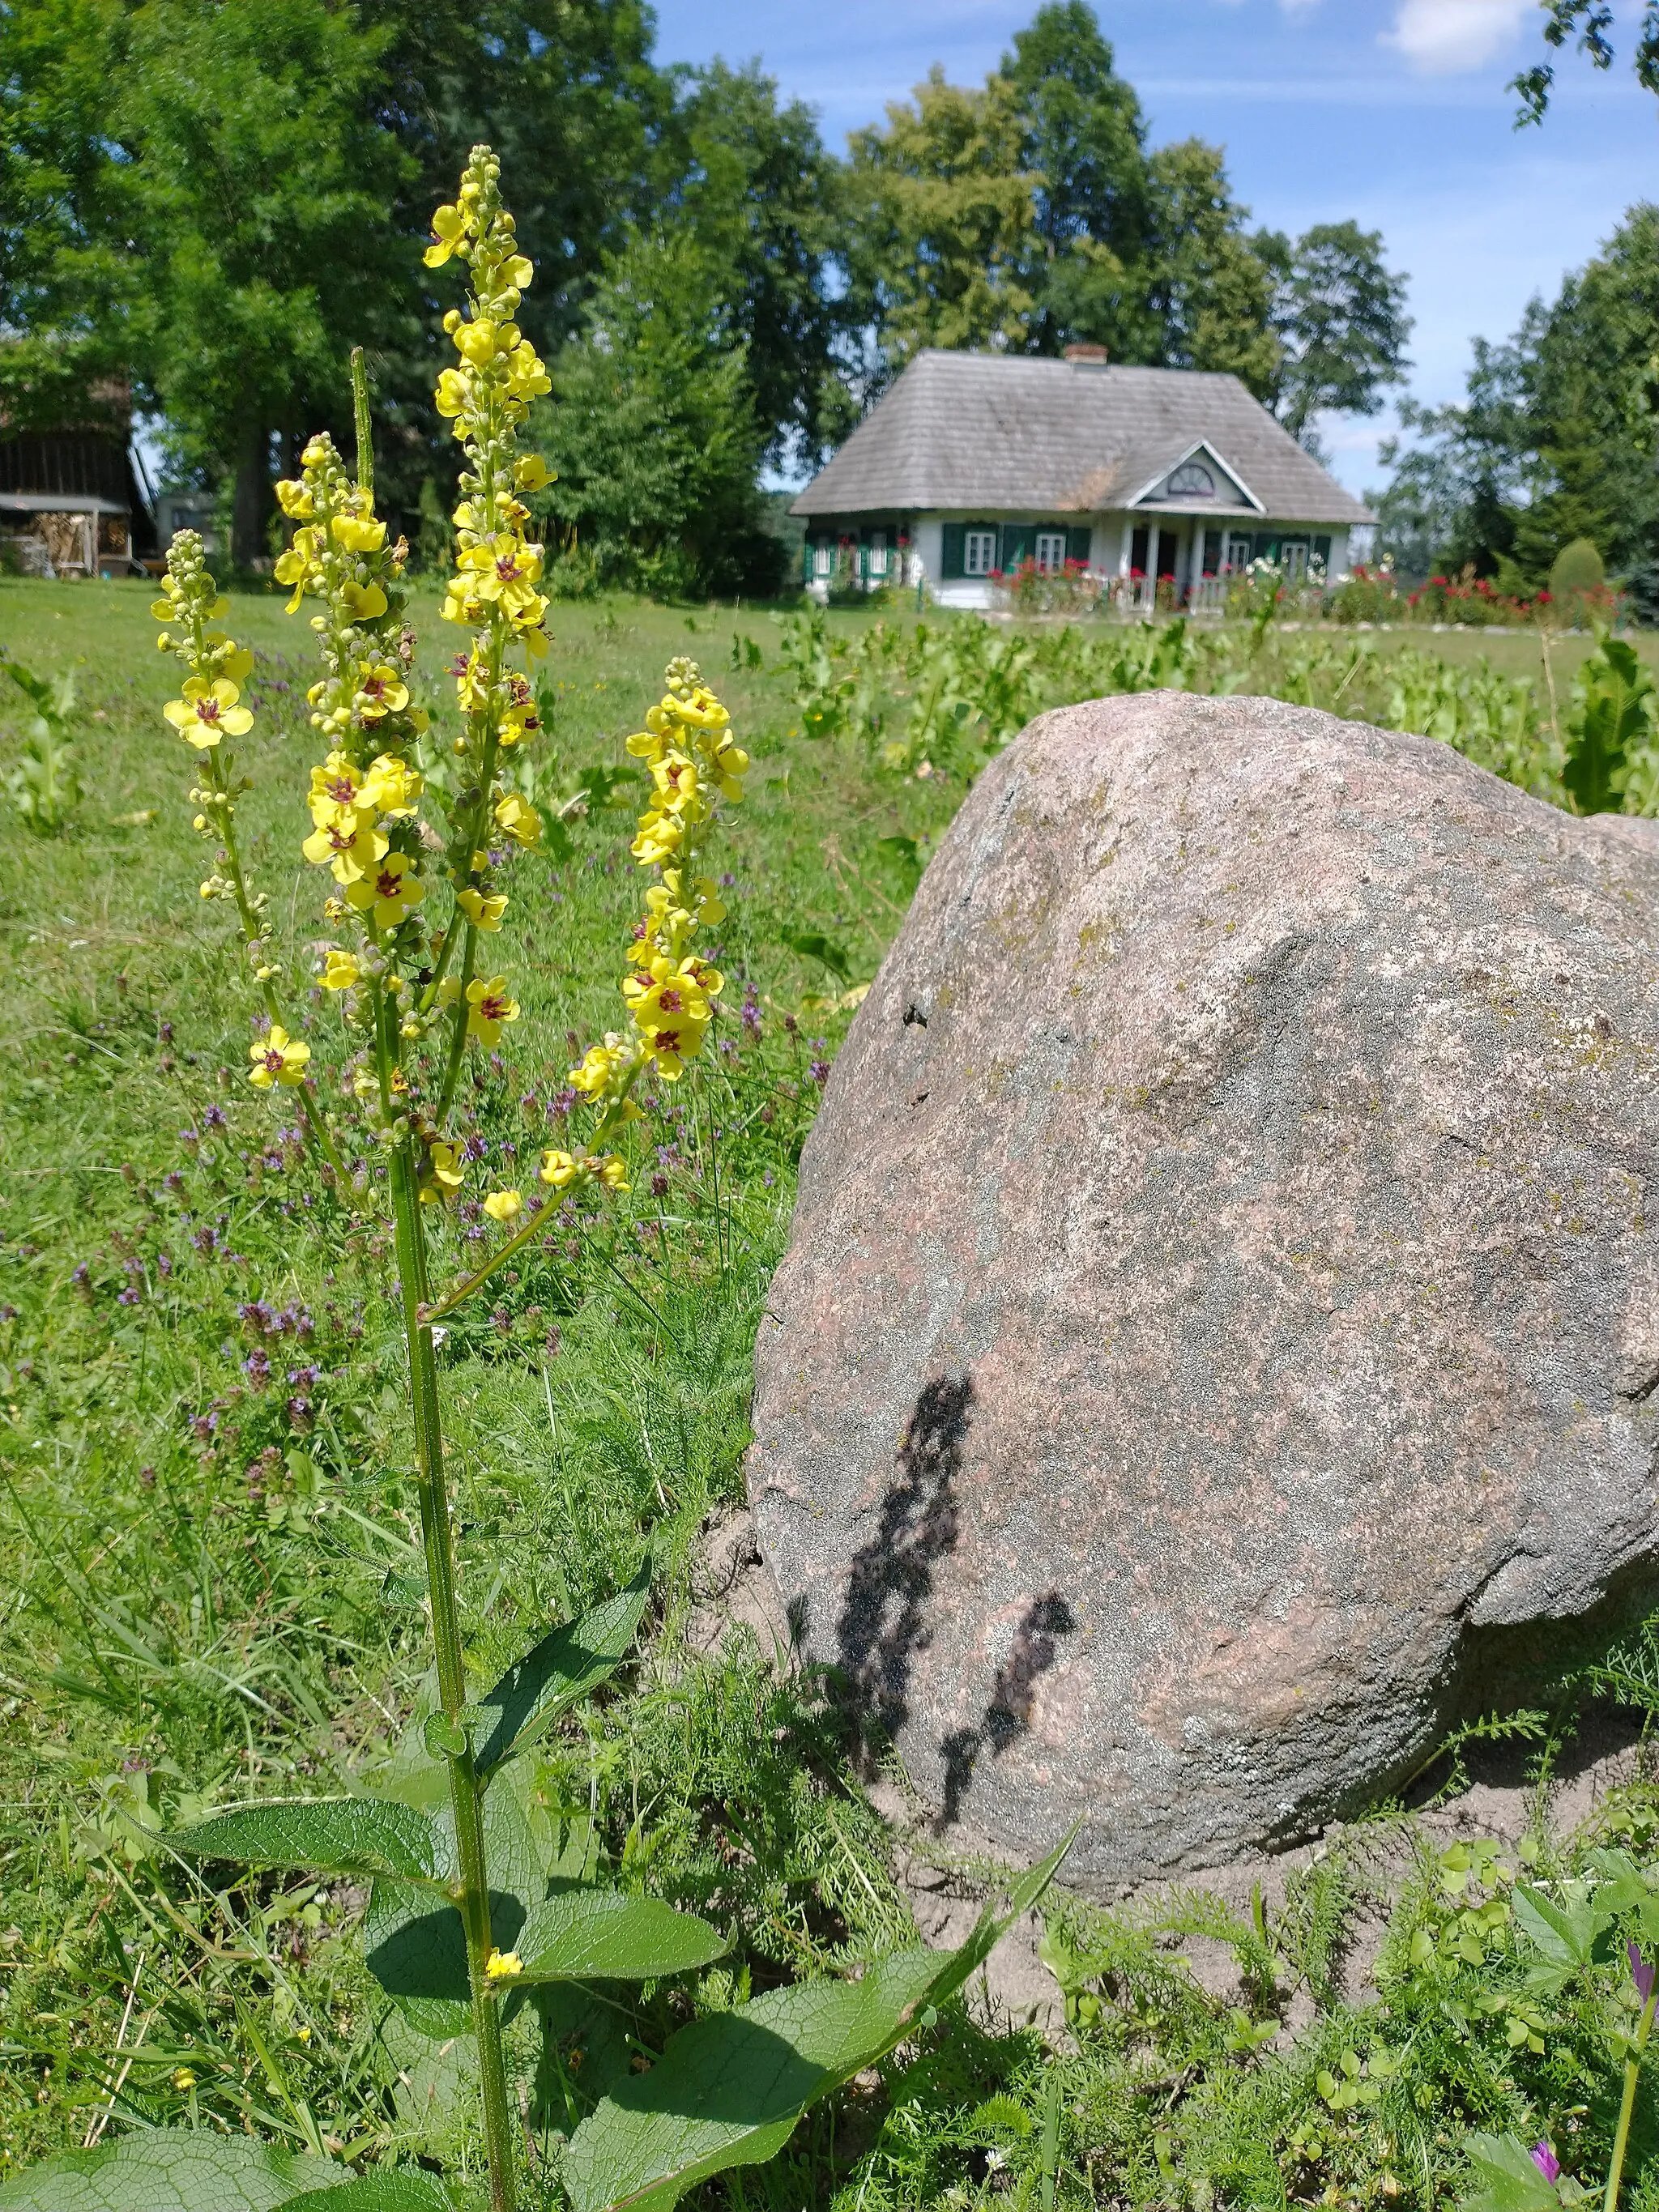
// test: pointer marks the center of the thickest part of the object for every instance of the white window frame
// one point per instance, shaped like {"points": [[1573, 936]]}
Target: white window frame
{"points": [[824, 559], [1294, 555], [979, 552], [876, 553], [1050, 552], [1233, 541]]}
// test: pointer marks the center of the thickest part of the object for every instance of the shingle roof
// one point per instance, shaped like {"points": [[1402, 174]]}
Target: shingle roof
{"points": [[1000, 431]]}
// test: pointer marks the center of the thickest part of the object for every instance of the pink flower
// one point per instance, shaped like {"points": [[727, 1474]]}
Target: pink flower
{"points": [[1547, 2162], [1641, 1972]]}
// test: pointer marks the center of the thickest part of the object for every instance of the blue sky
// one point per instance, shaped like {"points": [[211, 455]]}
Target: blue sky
{"points": [[1393, 112]]}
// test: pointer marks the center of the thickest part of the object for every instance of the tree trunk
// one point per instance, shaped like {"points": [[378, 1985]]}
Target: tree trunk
{"points": [[247, 527]]}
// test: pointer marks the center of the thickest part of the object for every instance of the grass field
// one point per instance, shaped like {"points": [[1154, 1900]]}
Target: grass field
{"points": [[206, 1531]]}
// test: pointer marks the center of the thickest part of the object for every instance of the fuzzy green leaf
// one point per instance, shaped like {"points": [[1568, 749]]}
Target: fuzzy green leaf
{"points": [[405, 2192], [729, 2090], [320, 1835], [415, 1943], [565, 1667], [1506, 2178], [590, 1934], [1562, 1932], [171, 2170]]}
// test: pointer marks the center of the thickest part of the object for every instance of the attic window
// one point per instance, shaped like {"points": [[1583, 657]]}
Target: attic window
{"points": [[1191, 480]]}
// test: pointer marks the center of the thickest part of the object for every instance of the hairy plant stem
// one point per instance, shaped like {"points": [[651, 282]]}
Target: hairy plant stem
{"points": [[465, 1794], [1627, 2102]]}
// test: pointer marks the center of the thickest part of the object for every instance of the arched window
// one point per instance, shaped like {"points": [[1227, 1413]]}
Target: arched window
{"points": [[1191, 480]]}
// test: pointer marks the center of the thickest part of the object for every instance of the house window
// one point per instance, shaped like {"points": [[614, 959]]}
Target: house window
{"points": [[1191, 480], [1050, 552], [877, 548], [979, 552], [1293, 559], [1240, 547], [824, 558]]}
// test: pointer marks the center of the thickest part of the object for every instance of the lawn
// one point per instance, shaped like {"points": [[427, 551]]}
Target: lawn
{"points": [[207, 1531]]}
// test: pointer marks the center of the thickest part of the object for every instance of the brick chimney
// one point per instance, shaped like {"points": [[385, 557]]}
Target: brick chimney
{"points": [[1088, 356]]}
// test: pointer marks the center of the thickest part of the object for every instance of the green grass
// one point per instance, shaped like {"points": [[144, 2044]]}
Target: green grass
{"points": [[206, 1529]]}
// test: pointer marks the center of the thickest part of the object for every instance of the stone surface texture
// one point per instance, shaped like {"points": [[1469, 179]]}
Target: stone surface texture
{"points": [[1216, 1340]]}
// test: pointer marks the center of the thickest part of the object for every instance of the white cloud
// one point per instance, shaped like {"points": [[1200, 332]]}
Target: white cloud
{"points": [[1439, 36]]}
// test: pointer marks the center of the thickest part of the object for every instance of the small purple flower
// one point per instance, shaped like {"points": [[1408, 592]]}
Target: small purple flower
{"points": [[129, 1297], [173, 1181], [819, 1071], [1547, 2162], [256, 1368], [164, 1264], [660, 1186], [1641, 1972], [751, 1012], [215, 1118], [205, 1243], [190, 1138]]}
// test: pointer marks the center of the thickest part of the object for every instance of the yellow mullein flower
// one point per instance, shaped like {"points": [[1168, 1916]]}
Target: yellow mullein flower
{"points": [[337, 790], [673, 1011], [358, 533], [448, 1172], [277, 1058], [489, 1008], [448, 230], [502, 1205], [475, 342], [504, 569], [294, 499], [452, 392], [391, 786], [207, 712], [380, 691], [348, 847], [392, 891], [502, 1965], [517, 818], [560, 1169], [483, 909], [531, 473], [366, 601], [613, 1172], [340, 972]]}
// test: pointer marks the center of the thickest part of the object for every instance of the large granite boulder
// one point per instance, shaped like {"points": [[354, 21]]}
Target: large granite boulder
{"points": [[1216, 1342]]}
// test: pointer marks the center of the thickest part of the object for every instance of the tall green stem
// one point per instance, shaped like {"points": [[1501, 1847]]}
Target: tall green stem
{"points": [[465, 1797], [1627, 2103]]}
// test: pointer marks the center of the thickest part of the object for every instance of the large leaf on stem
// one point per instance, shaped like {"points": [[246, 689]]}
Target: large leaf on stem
{"points": [[587, 1936], [729, 2090], [171, 2170], [565, 1667], [320, 1835], [414, 1942], [405, 2192]]}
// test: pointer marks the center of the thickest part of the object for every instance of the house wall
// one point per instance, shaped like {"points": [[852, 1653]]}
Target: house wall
{"points": [[1111, 543]]}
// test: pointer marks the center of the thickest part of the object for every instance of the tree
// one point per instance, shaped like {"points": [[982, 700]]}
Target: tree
{"points": [[1210, 290], [946, 219], [751, 182], [1456, 490], [1083, 143], [264, 186], [66, 277], [1591, 21], [654, 430], [1340, 316]]}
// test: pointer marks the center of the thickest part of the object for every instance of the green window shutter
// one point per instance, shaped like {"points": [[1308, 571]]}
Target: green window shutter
{"points": [[950, 565], [1321, 552], [1077, 545], [1016, 543], [1212, 563]]}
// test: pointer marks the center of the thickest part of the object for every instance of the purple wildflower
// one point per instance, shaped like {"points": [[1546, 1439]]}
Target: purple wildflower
{"points": [[1546, 2160], [1641, 1972]]}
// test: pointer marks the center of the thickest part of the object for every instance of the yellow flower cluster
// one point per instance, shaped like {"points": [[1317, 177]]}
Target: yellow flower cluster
{"points": [[695, 763], [209, 708]]}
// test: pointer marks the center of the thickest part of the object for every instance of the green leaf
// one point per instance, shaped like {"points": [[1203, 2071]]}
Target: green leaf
{"points": [[564, 1668], [600, 1936], [1563, 1935], [170, 2170], [321, 1835], [415, 1943], [1506, 2178], [405, 2192], [813, 944], [729, 2090]]}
